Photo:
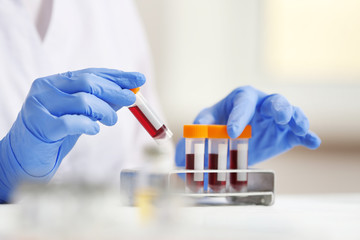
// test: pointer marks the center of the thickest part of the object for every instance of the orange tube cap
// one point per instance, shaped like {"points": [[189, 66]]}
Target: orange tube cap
{"points": [[135, 90], [217, 131], [195, 131]]}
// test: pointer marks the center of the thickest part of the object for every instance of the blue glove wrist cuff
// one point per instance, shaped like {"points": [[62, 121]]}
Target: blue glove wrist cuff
{"points": [[35, 157], [24, 157]]}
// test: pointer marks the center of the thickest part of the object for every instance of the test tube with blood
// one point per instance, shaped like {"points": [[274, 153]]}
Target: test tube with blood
{"points": [[239, 160], [218, 155], [148, 119], [194, 159]]}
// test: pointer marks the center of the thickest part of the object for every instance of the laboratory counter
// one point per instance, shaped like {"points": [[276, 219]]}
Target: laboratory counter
{"points": [[330, 216]]}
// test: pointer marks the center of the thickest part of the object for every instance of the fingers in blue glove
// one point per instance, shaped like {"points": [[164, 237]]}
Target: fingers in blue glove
{"points": [[277, 107], [243, 109], [74, 125], [299, 123], [284, 114], [67, 125], [115, 94], [126, 80], [59, 103], [236, 110], [206, 116], [98, 86], [309, 140], [89, 95], [50, 128]]}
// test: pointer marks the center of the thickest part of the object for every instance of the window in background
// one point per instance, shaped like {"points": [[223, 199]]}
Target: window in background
{"points": [[312, 41]]}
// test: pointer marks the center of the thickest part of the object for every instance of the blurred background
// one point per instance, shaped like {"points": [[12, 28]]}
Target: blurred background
{"points": [[306, 50]]}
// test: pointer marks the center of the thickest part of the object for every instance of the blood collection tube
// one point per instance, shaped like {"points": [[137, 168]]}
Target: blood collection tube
{"points": [[194, 159], [239, 160], [218, 152], [148, 119]]}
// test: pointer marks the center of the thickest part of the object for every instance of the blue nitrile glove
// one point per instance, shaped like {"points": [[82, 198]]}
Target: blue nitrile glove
{"points": [[277, 126], [57, 110]]}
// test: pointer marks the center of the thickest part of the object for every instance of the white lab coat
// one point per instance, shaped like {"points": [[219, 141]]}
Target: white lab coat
{"points": [[81, 34]]}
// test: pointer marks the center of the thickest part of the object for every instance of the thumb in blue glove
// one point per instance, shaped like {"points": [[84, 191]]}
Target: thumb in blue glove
{"points": [[57, 110], [277, 126]]}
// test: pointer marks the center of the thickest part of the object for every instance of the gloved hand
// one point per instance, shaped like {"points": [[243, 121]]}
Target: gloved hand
{"points": [[277, 126], [57, 110]]}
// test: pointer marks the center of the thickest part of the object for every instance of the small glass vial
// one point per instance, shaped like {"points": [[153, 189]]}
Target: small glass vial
{"points": [[148, 119], [239, 160], [195, 136], [218, 155]]}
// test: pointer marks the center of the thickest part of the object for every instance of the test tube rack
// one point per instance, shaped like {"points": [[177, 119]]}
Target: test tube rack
{"points": [[260, 188]]}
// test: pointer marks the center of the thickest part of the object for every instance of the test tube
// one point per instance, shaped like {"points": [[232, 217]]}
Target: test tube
{"points": [[239, 160], [218, 155], [194, 159], [148, 119]]}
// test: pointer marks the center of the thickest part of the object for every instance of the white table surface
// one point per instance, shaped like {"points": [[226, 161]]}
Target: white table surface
{"points": [[332, 216]]}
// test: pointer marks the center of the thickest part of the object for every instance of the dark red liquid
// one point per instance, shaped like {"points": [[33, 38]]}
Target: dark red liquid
{"points": [[214, 184], [140, 116], [194, 186], [235, 184]]}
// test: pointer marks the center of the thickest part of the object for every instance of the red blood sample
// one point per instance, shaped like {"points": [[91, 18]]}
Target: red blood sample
{"points": [[140, 116], [235, 184], [194, 186], [214, 184]]}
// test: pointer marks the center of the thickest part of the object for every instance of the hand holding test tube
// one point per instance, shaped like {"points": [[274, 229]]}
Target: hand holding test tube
{"points": [[277, 125]]}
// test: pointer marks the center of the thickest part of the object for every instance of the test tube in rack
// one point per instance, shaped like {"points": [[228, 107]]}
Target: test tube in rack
{"points": [[194, 159], [218, 155], [148, 119], [239, 160]]}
